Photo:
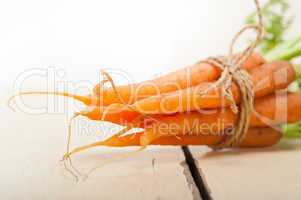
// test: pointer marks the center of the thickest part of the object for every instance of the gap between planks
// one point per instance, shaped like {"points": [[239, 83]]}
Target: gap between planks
{"points": [[195, 174]]}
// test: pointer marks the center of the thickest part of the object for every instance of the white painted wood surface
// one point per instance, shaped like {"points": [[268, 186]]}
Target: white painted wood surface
{"points": [[268, 173], [30, 169]]}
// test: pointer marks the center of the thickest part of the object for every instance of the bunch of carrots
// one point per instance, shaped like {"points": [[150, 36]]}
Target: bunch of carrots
{"points": [[170, 109], [174, 99]]}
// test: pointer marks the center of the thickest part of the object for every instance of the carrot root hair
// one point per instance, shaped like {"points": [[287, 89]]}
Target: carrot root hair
{"points": [[72, 169], [112, 141]]}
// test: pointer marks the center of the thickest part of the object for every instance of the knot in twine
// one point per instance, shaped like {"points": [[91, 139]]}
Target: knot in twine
{"points": [[232, 71]]}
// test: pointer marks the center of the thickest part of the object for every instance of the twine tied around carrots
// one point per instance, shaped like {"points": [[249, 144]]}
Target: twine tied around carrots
{"points": [[232, 71]]}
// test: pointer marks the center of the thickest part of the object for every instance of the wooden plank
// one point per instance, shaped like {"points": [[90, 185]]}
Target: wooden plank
{"points": [[267, 173], [30, 169]]}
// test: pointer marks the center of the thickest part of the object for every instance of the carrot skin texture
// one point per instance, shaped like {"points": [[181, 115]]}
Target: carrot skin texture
{"points": [[266, 79], [213, 99], [121, 116], [255, 137], [271, 110], [180, 79], [268, 111], [274, 109]]}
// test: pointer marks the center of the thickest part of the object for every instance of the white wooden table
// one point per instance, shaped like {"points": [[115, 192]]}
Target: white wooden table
{"points": [[30, 169], [33, 144], [267, 173]]}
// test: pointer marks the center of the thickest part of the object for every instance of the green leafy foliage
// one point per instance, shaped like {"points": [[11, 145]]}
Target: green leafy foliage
{"points": [[276, 22], [292, 130], [286, 50], [298, 77]]}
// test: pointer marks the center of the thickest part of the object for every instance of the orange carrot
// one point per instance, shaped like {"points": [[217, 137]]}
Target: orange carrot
{"points": [[270, 107], [115, 113], [188, 127], [190, 130], [183, 78], [273, 81], [267, 78], [268, 111], [255, 137]]}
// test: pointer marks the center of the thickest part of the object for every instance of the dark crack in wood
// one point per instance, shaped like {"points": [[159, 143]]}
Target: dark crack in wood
{"points": [[195, 173]]}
